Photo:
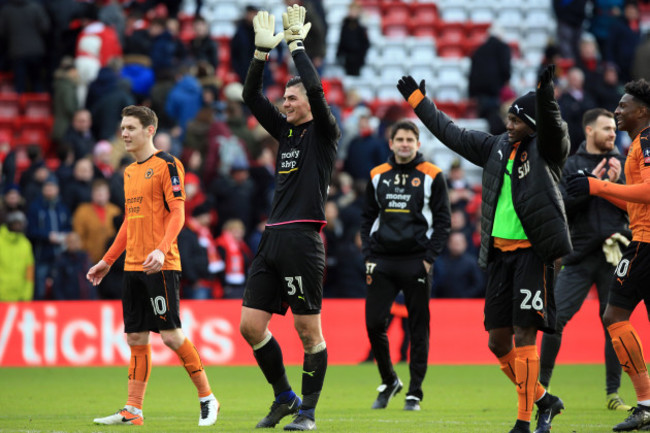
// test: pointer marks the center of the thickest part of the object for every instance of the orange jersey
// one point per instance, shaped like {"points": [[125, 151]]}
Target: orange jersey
{"points": [[637, 171], [149, 187]]}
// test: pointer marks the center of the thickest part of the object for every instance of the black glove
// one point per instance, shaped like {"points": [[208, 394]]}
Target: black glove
{"points": [[407, 85], [577, 184], [546, 76]]}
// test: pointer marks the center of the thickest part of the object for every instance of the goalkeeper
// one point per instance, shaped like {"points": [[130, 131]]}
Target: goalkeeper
{"points": [[597, 228], [288, 268]]}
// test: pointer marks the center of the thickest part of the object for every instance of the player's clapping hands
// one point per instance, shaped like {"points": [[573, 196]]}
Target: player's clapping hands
{"points": [[295, 29], [264, 27]]}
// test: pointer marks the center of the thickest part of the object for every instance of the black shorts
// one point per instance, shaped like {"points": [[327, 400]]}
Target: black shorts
{"points": [[287, 272], [519, 291], [151, 302], [632, 276]]}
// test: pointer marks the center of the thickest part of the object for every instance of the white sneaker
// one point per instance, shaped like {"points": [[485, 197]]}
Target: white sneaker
{"points": [[121, 417], [209, 411]]}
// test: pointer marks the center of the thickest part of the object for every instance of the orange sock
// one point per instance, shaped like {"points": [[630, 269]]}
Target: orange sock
{"points": [[527, 372], [507, 363], [139, 371], [192, 363], [628, 348]]}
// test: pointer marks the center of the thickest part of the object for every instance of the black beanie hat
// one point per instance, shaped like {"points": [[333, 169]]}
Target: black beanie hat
{"points": [[524, 108]]}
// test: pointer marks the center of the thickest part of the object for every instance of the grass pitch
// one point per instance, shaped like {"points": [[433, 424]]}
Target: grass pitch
{"points": [[467, 399]]}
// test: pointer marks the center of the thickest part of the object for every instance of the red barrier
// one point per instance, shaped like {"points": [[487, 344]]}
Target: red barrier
{"points": [[91, 333]]}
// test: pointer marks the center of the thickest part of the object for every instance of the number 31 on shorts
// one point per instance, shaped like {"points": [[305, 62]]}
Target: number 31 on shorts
{"points": [[291, 284], [531, 301]]}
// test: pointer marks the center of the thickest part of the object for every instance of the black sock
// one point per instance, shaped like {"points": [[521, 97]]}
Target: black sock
{"points": [[543, 402], [269, 358], [313, 376], [525, 425]]}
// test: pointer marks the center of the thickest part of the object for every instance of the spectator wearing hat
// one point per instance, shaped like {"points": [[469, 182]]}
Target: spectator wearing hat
{"points": [[93, 221], [523, 229], [11, 201], [64, 97], [16, 260], [48, 222]]}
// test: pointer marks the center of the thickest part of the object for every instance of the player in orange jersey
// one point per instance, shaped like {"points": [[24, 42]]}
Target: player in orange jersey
{"points": [[633, 271], [155, 213]]}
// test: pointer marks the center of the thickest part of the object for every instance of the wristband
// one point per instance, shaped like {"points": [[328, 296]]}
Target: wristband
{"points": [[415, 98], [261, 55], [296, 45]]}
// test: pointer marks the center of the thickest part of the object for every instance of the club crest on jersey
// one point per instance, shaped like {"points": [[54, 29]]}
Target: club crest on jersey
{"points": [[646, 155], [176, 184], [415, 182], [524, 156], [148, 174]]}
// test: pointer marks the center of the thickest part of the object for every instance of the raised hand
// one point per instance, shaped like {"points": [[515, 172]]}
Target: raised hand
{"points": [[407, 85], [295, 29], [546, 76], [264, 26]]}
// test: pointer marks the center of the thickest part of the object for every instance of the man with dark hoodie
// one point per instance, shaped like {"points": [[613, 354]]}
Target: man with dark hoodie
{"points": [[597, 226], [523, 229]]}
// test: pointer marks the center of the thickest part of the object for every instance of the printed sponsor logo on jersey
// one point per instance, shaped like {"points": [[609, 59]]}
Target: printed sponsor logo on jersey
{"points": [[289, 161], [148, 174], [415, 182], [176, 184]]}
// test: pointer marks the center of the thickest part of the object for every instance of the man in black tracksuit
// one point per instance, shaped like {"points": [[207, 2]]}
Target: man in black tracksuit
{"points": [[523, 229], [404, 226], [288, 268], [593, 221]]}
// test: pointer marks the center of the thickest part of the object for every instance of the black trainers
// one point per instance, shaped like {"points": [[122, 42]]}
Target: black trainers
{"points": [[546, 413], [386, 392], [279, 411], [639, 417], [412, 403], [301, 423]]}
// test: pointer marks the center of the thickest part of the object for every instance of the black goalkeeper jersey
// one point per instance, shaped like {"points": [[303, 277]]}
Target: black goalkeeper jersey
{"points": [[306, 152]]}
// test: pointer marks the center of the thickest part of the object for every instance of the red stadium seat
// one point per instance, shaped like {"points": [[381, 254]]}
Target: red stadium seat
{"points": [[396, 10], [451, 31], [426, 12], [334, 92], [36, 104], [9, 105], [35, 131]]}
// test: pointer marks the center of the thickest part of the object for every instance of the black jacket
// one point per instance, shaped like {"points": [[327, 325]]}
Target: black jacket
{"points": [[535, 176], [591, 219], [406, 212]]}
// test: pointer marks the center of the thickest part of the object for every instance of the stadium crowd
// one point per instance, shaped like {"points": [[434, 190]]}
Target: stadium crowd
{"points": [[62, 193]]}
